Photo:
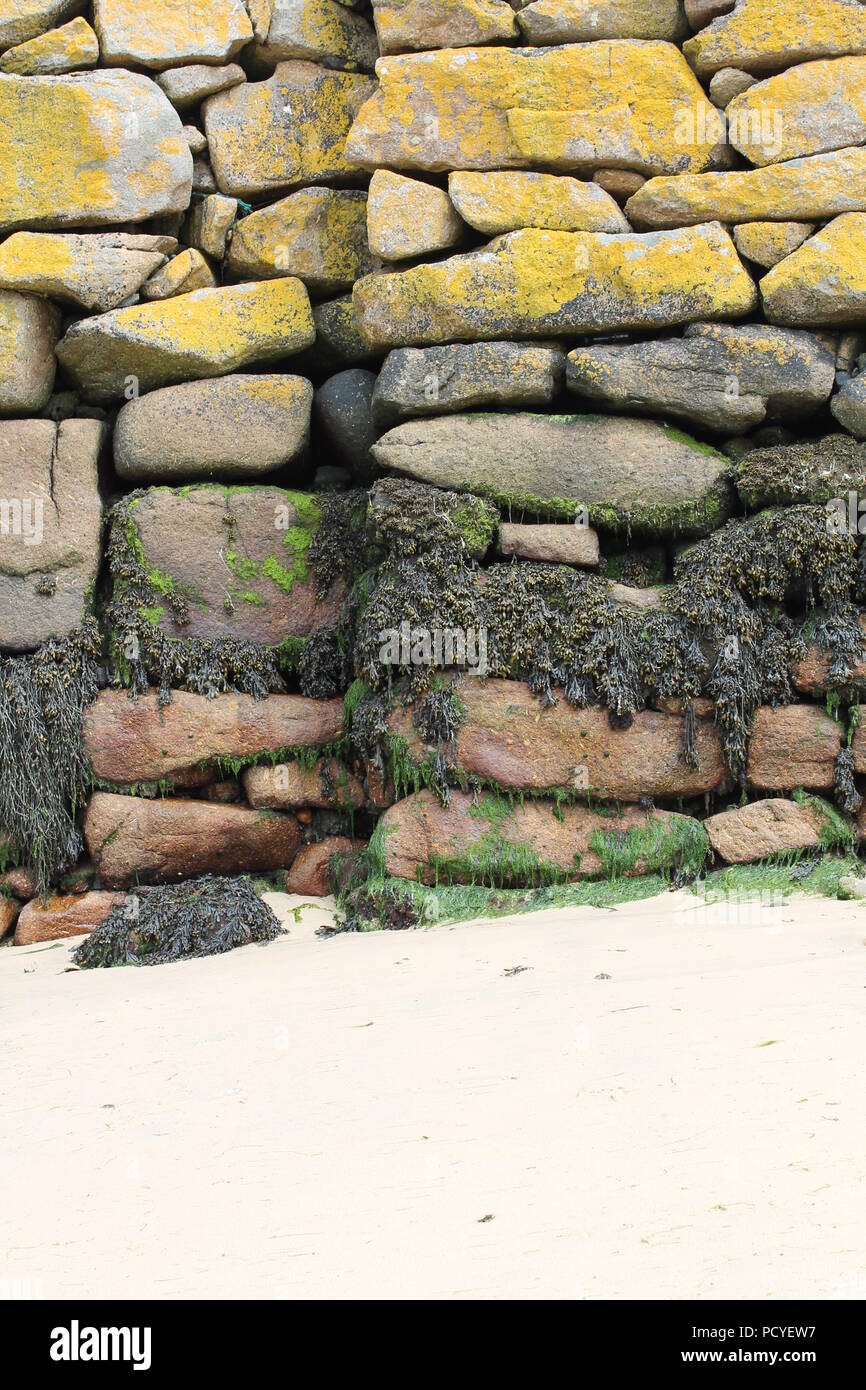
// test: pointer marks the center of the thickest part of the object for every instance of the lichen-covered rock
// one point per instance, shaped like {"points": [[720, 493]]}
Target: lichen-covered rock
{"points": [[407, 218], [508, 737], [231, 562], [233, 426], [814, 188], [62, 915], [489, 841], [793, 746], [466, 376], [504, 201], [163, 34], [618, 101], [132, 840], [767, 243], [321, 31], [723, 377], [824, 280], [267, 137], [761, 829], [97, 270], [804, 110], [630, 474], [29, 330], [210, 223], [766, 35], [554, 544], [404, 25], [325, 785], [536, 283], [51, 522], [849, 405], [67, 49], [205, 333], [318, 234], [21, 20], [188, 86], [580, 21], [811, 471], [89, 149], [184, 273], [134, 741]]}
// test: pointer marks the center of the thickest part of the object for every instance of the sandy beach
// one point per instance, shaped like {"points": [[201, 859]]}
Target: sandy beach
{"points": [[664, 1100]]}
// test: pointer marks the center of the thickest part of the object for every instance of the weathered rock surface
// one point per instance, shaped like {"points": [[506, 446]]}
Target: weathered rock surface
{"points": [[50, 532], [89, 149], [526, 845], [722, 377], [29, 330], [630, 474], [67, 49], [232, 426], [762, 37], [810, 189], [406, 25], [407, 218], [202, 334], [619, 183], [793, 746], [538, 283], [824, 281], [325, 786], [318, 234], [321, 31], [580, 21], [804, 110], [508, 737], [267, 137], [504, 201], [810, 471], [132, 840], [64, 915], [727, 83], [812, 678], [130, 741], [849, 405], [747, 834], [496, 108], [21, 20], [409, 517], [184, 273], [311, 872], [343, 411], [767, 243], [210, 222], [188, 86], [162, 34], [9, 910], [858, 748], [465, 376], [250, 580], [561, 545], [97, 270]]}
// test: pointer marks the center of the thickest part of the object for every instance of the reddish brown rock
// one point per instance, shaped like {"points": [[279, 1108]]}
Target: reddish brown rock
{"points": [[138, 741], [746, 834], [858, 748], [672, 704], [566, 545], [9, 910], [619, 183], [325, 786], [132, 840], [509, 738], [20, 882], [810, 674], [476, 842], [63, 915], [310, 871], [227, 792], [793, 746]]}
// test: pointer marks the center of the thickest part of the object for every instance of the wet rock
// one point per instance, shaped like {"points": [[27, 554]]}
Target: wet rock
{"points": [[536, 283], [161, 34], [50, 542], [558, 545], [407, 218], [233, 426], [767, 243], [811, 677], [29, 330], [630, 474], [504, 201], [63, 915], [325, 785], [132, 741], [722, 377], [343, 410], [312, 872], [761, 829], [97, 271], [466, 376], [793, 746], [824, 281], [132, 840], [318, 234]]}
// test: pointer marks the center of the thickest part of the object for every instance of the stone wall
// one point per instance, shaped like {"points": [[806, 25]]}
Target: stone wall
{"points": [[435, 424]]}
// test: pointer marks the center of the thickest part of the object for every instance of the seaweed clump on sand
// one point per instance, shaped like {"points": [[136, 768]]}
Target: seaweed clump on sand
{"points": [[44, 769], [201, 917]]}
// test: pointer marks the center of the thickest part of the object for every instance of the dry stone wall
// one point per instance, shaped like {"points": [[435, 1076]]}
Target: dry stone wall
{"points": [[432, 442]]}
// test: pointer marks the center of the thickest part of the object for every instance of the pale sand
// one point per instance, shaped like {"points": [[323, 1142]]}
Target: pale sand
{"points": [[338, 1118]]}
